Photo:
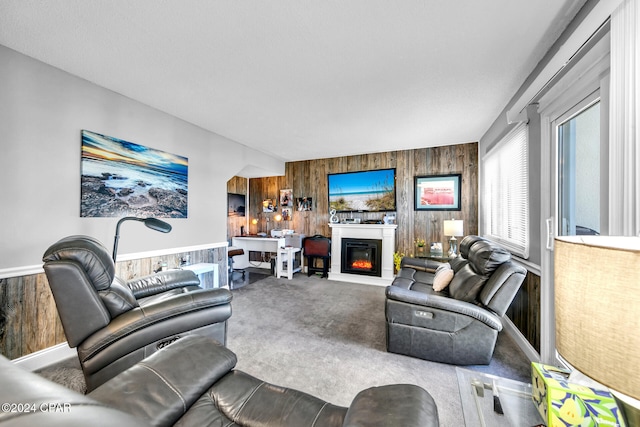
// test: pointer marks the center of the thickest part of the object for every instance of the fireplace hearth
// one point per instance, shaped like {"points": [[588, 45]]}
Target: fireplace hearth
{"points": [[361, 256]]}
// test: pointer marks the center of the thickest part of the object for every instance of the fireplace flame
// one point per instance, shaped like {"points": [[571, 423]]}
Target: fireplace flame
{"points": [[362, 264]]}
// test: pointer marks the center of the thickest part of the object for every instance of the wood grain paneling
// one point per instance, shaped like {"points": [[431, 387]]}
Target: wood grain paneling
{"points": [[524, 312], [309, 179], [237, 185], [28, 316]]}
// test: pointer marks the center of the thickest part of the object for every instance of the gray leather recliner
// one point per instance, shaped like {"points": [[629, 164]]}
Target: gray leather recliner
{"points": [[192, 382], [460, 324], [115, 324]]}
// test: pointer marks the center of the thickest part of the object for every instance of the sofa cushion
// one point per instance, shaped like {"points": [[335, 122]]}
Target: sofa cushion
{"points": [[443, 277], [458, 262], [466, 284], [162, 387], [118, 298], [249, 401]]}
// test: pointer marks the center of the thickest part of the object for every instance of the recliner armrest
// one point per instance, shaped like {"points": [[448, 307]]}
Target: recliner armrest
{"points": [[444, 303], [162, 282], [403, 405], [162, 387], [169, 309]]}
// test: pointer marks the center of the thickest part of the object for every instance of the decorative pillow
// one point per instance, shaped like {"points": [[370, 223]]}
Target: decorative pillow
{"points": [[443, 277]]}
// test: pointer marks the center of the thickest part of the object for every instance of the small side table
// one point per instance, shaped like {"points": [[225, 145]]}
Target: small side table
{"points": [[287, 255], [201, 269], [476, 395]]}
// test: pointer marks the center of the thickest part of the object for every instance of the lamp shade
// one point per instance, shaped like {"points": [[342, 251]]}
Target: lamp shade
{"points": [[453, 227], [597, 296]]}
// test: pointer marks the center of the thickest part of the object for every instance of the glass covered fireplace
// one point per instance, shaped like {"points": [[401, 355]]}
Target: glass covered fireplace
{"points": [[361, 256]]}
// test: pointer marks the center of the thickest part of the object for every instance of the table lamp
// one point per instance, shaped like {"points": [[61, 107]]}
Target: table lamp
{"points": [[152, 223], [597, 297], [453, 228]]}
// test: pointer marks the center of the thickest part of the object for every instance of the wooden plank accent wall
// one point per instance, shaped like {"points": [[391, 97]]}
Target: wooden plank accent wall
{"points": [[237, 185], [309, 179], [29, 318], [524, 311]]}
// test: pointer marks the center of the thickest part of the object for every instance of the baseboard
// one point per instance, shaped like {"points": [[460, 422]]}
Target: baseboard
{"points": [[520, 340], [45, 357]]}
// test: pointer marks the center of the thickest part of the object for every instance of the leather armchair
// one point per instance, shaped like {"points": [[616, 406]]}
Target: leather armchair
{"points": [[460, 324], [114, 323], [192, 382]]}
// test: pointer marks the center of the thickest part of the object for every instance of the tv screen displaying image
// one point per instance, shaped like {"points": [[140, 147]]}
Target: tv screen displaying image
{"points": [[366, 191]]}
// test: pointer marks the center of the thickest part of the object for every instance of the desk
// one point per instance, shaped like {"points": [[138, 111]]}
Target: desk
{"points": [[255, 244]]}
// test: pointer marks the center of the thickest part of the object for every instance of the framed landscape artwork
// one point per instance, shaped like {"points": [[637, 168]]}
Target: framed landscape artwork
{"points": [[438, 192], [121, 178]]}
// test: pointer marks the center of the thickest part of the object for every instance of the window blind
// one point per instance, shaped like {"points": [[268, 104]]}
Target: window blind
{"points": [[505, 192]]}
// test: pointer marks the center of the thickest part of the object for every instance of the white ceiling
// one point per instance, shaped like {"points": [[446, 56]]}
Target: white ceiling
{"points": [[301, 79]]}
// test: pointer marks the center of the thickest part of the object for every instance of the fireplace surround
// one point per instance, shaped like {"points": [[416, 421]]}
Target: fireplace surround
{"points": [[384, 233]]}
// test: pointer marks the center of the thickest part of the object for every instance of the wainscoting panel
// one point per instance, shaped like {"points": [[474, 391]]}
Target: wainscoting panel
{"points": [[28, 316], [525, 310]]}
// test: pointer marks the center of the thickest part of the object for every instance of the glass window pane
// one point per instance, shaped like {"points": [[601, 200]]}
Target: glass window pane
{"points": [[579, 173]]}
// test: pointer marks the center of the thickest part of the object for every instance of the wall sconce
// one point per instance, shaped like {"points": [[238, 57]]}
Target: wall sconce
{"points": [[453, 228]]}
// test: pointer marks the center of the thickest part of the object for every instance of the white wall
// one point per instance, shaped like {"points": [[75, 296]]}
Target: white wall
{"points": [[42, 112]]}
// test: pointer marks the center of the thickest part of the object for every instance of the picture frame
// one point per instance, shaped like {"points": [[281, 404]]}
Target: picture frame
{"points": [[268, 206], [305, 204], [436, 249], [236, 204], [287, 214], [286, 197], [437, 192], [121, 178]]}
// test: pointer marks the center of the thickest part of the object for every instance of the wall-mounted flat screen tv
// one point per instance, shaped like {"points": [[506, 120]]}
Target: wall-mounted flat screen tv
{"points": [[237, 204], [366, 191]]}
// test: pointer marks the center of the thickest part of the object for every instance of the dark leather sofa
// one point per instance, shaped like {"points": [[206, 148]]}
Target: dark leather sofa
{"points": [[191, 382], [116, 323], [460, 324]]}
